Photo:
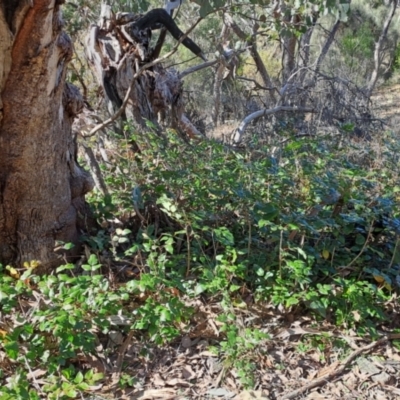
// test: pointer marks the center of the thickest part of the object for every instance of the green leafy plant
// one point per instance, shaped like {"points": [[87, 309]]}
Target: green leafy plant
{"points": [[314, 231]]}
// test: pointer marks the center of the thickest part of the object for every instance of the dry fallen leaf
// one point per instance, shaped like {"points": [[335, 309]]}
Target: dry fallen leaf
{"points": [[37, 373], [328, 369], [317, 396], [154, 394], [13, 272], [207, 353], [157, 380], [188, 373], [286, 333], [219, 392], [177, 382], [251, 395]]}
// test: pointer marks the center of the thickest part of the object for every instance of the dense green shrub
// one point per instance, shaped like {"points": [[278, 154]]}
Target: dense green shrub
{"points": [[279, 226], [309, 230]]}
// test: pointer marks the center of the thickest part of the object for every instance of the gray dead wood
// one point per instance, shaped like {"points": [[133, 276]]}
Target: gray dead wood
{"points": [[238, 133], [328, 378], [136, 85]]}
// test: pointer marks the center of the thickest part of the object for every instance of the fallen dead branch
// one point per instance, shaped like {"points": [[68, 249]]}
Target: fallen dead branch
{"points": [[238, 133], [116, 373], [321, 381]]}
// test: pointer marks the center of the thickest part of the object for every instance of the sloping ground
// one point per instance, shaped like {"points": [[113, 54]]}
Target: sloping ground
{"points": [[335, 366], [299, 360], [296, 360]]}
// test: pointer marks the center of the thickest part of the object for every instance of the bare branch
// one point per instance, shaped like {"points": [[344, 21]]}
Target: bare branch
{"points": [[237, 135], [189, 128], [196, 68], [342, 367], [257, 85], [326, 46], [251, 43]]}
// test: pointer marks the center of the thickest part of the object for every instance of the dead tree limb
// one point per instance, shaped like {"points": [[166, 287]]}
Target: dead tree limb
{"points": [[328, 378], [135, 83], [197, 68], [157, 18], [238, 133], [326, 46]]}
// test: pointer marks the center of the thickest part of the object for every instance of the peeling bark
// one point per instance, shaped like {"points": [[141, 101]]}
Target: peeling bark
{"points": [[41, 185]]}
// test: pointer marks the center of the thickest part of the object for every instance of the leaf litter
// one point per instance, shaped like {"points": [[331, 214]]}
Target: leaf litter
{"points": [[188, 369], [284, 367]]}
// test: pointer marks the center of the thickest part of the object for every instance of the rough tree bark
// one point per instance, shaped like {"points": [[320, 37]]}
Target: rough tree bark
{"points": [[42, 187], [288, 42]]}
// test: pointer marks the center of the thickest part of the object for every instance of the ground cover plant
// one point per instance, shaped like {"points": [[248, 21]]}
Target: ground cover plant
{"points": [[247, 240]]}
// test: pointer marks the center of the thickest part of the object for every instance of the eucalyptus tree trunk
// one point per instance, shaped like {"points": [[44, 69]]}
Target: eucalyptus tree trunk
{"points": [[219, 78], [378, 48], [288, 43], [41, 186], [251, 42]]}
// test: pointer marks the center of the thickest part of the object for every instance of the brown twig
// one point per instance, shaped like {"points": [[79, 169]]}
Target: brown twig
{"points": [[121, 354], [256, 84], [328, 378]]}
